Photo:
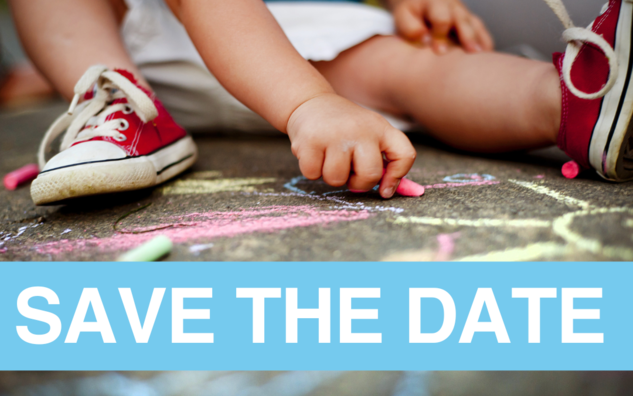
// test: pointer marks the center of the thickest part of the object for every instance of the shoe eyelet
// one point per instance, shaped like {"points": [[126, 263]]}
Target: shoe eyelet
{"points": [[120, 137], [128, 110], [123, 125]]}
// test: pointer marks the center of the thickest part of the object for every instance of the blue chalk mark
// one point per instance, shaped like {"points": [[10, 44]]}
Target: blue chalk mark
{"points": [[291, 185], [468, 178], [335, 192]]}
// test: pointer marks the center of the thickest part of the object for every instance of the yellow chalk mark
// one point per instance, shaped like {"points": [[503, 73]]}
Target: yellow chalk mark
{"points": [[473, 223], [562, 228], [411, 255], [212, 174], [534, 251], [553, 194], [195, 186]]}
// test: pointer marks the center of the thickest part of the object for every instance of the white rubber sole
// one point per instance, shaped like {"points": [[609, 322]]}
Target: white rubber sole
{"points": [[613, 128], [114, 176]]}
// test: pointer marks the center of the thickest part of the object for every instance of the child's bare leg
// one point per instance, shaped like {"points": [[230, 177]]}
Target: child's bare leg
{"points": [[65, 37], [480, 102]]}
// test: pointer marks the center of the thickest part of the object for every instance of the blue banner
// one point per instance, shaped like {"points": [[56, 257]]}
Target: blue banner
{"points": [[316, 316]]}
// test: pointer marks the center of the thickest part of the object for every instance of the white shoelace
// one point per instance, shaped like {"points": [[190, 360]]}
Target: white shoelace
{"points": [[575, 37], [109, 85]]}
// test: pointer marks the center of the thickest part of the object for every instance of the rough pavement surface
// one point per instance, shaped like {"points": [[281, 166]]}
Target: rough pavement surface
{"points": [[245, 199]]}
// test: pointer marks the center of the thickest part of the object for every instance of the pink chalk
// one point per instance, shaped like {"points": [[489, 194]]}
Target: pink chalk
{"points": [[570, 169], [19, 176], [409, 188]]}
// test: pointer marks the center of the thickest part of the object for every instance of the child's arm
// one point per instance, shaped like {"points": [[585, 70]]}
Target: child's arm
{"points": [[430, 21], [247, 51]]}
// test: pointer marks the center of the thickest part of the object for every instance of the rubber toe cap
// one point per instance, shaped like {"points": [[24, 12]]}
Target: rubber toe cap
{"points": [[86, 152]]}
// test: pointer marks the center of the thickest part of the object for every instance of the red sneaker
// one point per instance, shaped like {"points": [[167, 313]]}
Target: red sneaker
{"points": [[597, 99], [119, 138]]}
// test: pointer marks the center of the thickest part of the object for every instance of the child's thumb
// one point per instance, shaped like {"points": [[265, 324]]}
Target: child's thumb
{"points": [[400, 156]]}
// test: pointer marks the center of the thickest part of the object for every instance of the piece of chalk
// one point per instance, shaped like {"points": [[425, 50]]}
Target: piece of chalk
{"points": [[20, 176], [149, 251], [406, 188], [409, 188], [570, 169]]}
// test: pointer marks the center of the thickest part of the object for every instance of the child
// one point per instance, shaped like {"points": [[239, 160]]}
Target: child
{"points": [[119, 137]]}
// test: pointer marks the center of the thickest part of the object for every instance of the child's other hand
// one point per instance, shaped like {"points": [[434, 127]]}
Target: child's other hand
{"points": [[343, 142], [431, 21]]}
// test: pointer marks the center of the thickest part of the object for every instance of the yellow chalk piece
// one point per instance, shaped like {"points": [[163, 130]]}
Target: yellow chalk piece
{"points": [[195, 186], [149, 251]]}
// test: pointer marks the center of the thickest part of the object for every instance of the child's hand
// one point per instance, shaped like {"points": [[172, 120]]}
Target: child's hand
{"points": [[431, 21], [343, 142]]}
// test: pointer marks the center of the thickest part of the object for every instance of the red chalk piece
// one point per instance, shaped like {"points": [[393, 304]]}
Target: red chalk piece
{"points": [[409, 188], [19, 176], [570, 169]]}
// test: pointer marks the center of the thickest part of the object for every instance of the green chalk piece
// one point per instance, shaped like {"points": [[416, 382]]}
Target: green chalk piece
{"points": [[149, 251]]}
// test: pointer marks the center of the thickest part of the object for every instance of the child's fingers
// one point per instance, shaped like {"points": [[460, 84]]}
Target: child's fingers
{"points": [[441, 19], [409, 21], [311, 163], [483, 36], [336, 167], [368, 167], [466, 32], [400, 154]]}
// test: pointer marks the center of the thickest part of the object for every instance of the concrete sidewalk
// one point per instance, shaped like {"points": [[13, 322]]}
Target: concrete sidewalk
{"points": [[245, 199]]}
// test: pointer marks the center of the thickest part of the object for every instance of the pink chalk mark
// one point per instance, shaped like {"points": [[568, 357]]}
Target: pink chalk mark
{"points": [[205, 226], [20, 176], [539, 176], [570, 169], [446, 244], [3, 250]]}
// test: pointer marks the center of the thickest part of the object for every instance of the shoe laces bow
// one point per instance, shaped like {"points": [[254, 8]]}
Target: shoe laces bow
{"points": [[576, 37], [88, 119]]}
